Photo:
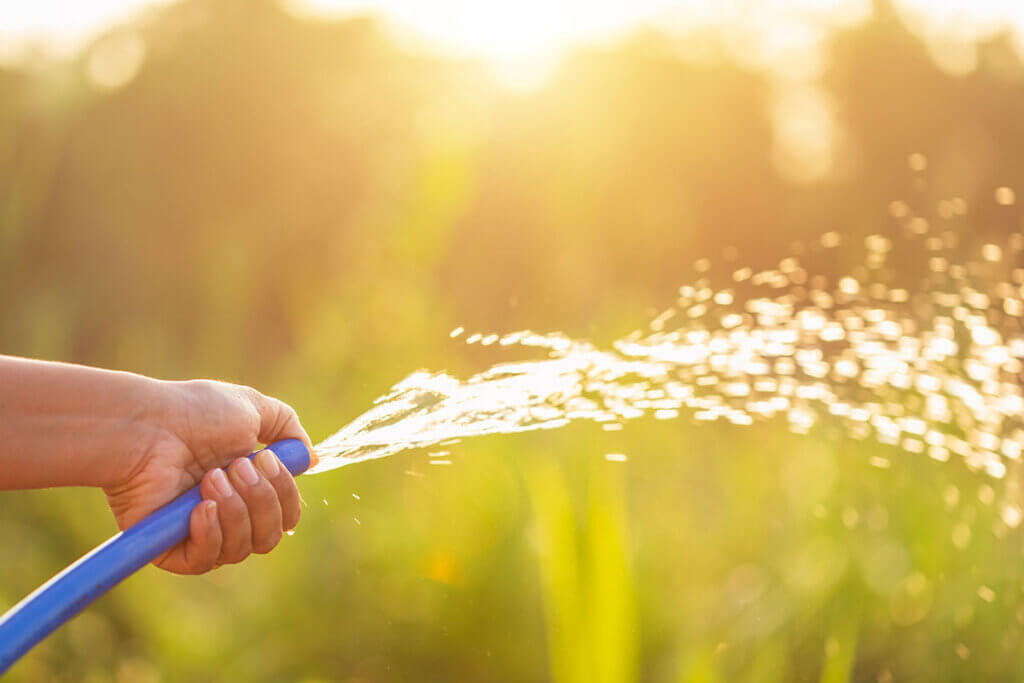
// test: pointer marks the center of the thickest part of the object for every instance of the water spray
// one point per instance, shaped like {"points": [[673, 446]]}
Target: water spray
{"points": [[102, 568]]}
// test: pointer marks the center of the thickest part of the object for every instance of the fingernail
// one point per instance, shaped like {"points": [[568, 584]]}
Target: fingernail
{"points": [[211, 511], [221, 483], [267, 461], [248, 472]]}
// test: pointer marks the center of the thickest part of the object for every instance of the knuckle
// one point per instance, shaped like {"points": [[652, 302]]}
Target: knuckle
{"points": [[263, 494], [267, 544], [247, 399], [204, 390], [197, 384], [286, 411], [239, 545], [251, 397], [207, 487], [235, 556], [232, 510], [284, 483], [279, 415], [196, 563], [249, 392]]}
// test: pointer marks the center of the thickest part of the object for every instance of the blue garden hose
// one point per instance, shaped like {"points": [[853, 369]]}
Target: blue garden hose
{"points": [[72, 590]]}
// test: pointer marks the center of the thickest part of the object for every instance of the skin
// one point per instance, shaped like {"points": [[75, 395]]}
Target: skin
{"points": [[144, 442]]}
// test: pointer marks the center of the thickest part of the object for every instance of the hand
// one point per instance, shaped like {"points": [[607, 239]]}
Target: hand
{"points": [[199, 427]]}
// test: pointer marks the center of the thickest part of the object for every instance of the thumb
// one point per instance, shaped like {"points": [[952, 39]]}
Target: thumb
{"points": [[278, 421]]}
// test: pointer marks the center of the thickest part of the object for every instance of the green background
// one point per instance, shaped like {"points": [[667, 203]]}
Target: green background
{"points": [[310, 206]]}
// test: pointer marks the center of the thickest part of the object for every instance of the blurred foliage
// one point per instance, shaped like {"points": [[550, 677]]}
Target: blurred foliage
{"points": [[310, 206]]}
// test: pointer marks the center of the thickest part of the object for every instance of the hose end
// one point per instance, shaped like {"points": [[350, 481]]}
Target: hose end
{"points": [[293, 454]]}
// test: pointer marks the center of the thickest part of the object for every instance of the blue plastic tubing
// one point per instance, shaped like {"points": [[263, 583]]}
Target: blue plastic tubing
{"points": [[71, 591]]}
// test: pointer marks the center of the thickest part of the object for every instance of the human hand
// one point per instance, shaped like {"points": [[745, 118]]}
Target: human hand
{"points": [[199, 427]]}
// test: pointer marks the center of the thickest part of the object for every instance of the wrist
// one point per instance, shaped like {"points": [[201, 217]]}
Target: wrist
{"points": [[128, 431], [70, 425]]}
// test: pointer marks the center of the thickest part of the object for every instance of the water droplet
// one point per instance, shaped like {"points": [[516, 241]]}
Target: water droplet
{"points": [[991, 253], [1011, 515], [1005, 196]]}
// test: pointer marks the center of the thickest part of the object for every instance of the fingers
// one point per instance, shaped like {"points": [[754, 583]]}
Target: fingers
{"points": [[203, 546], [235, 525], [278, 421], [199, 553], [244, 510], [284, 486], [262, 503]]}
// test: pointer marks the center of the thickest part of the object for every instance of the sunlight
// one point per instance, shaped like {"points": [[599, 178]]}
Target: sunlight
{"points": [[61, 27], [521, 40], [524, 41], [951, 29]]}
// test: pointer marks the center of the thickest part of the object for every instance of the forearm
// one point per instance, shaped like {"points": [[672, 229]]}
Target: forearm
{"points": [[70, 425]]}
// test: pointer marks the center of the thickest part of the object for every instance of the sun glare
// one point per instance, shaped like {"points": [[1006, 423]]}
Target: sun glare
{"points": [[524, 40], [60, 26]]}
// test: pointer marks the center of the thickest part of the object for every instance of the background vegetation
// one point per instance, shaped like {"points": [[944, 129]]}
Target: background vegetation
{"points": [[310, 206]]}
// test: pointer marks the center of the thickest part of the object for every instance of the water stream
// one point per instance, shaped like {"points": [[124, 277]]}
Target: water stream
{"points": [[912, 338]]}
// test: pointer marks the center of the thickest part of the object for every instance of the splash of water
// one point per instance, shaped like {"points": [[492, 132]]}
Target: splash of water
{"points": [[922, 351]]}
